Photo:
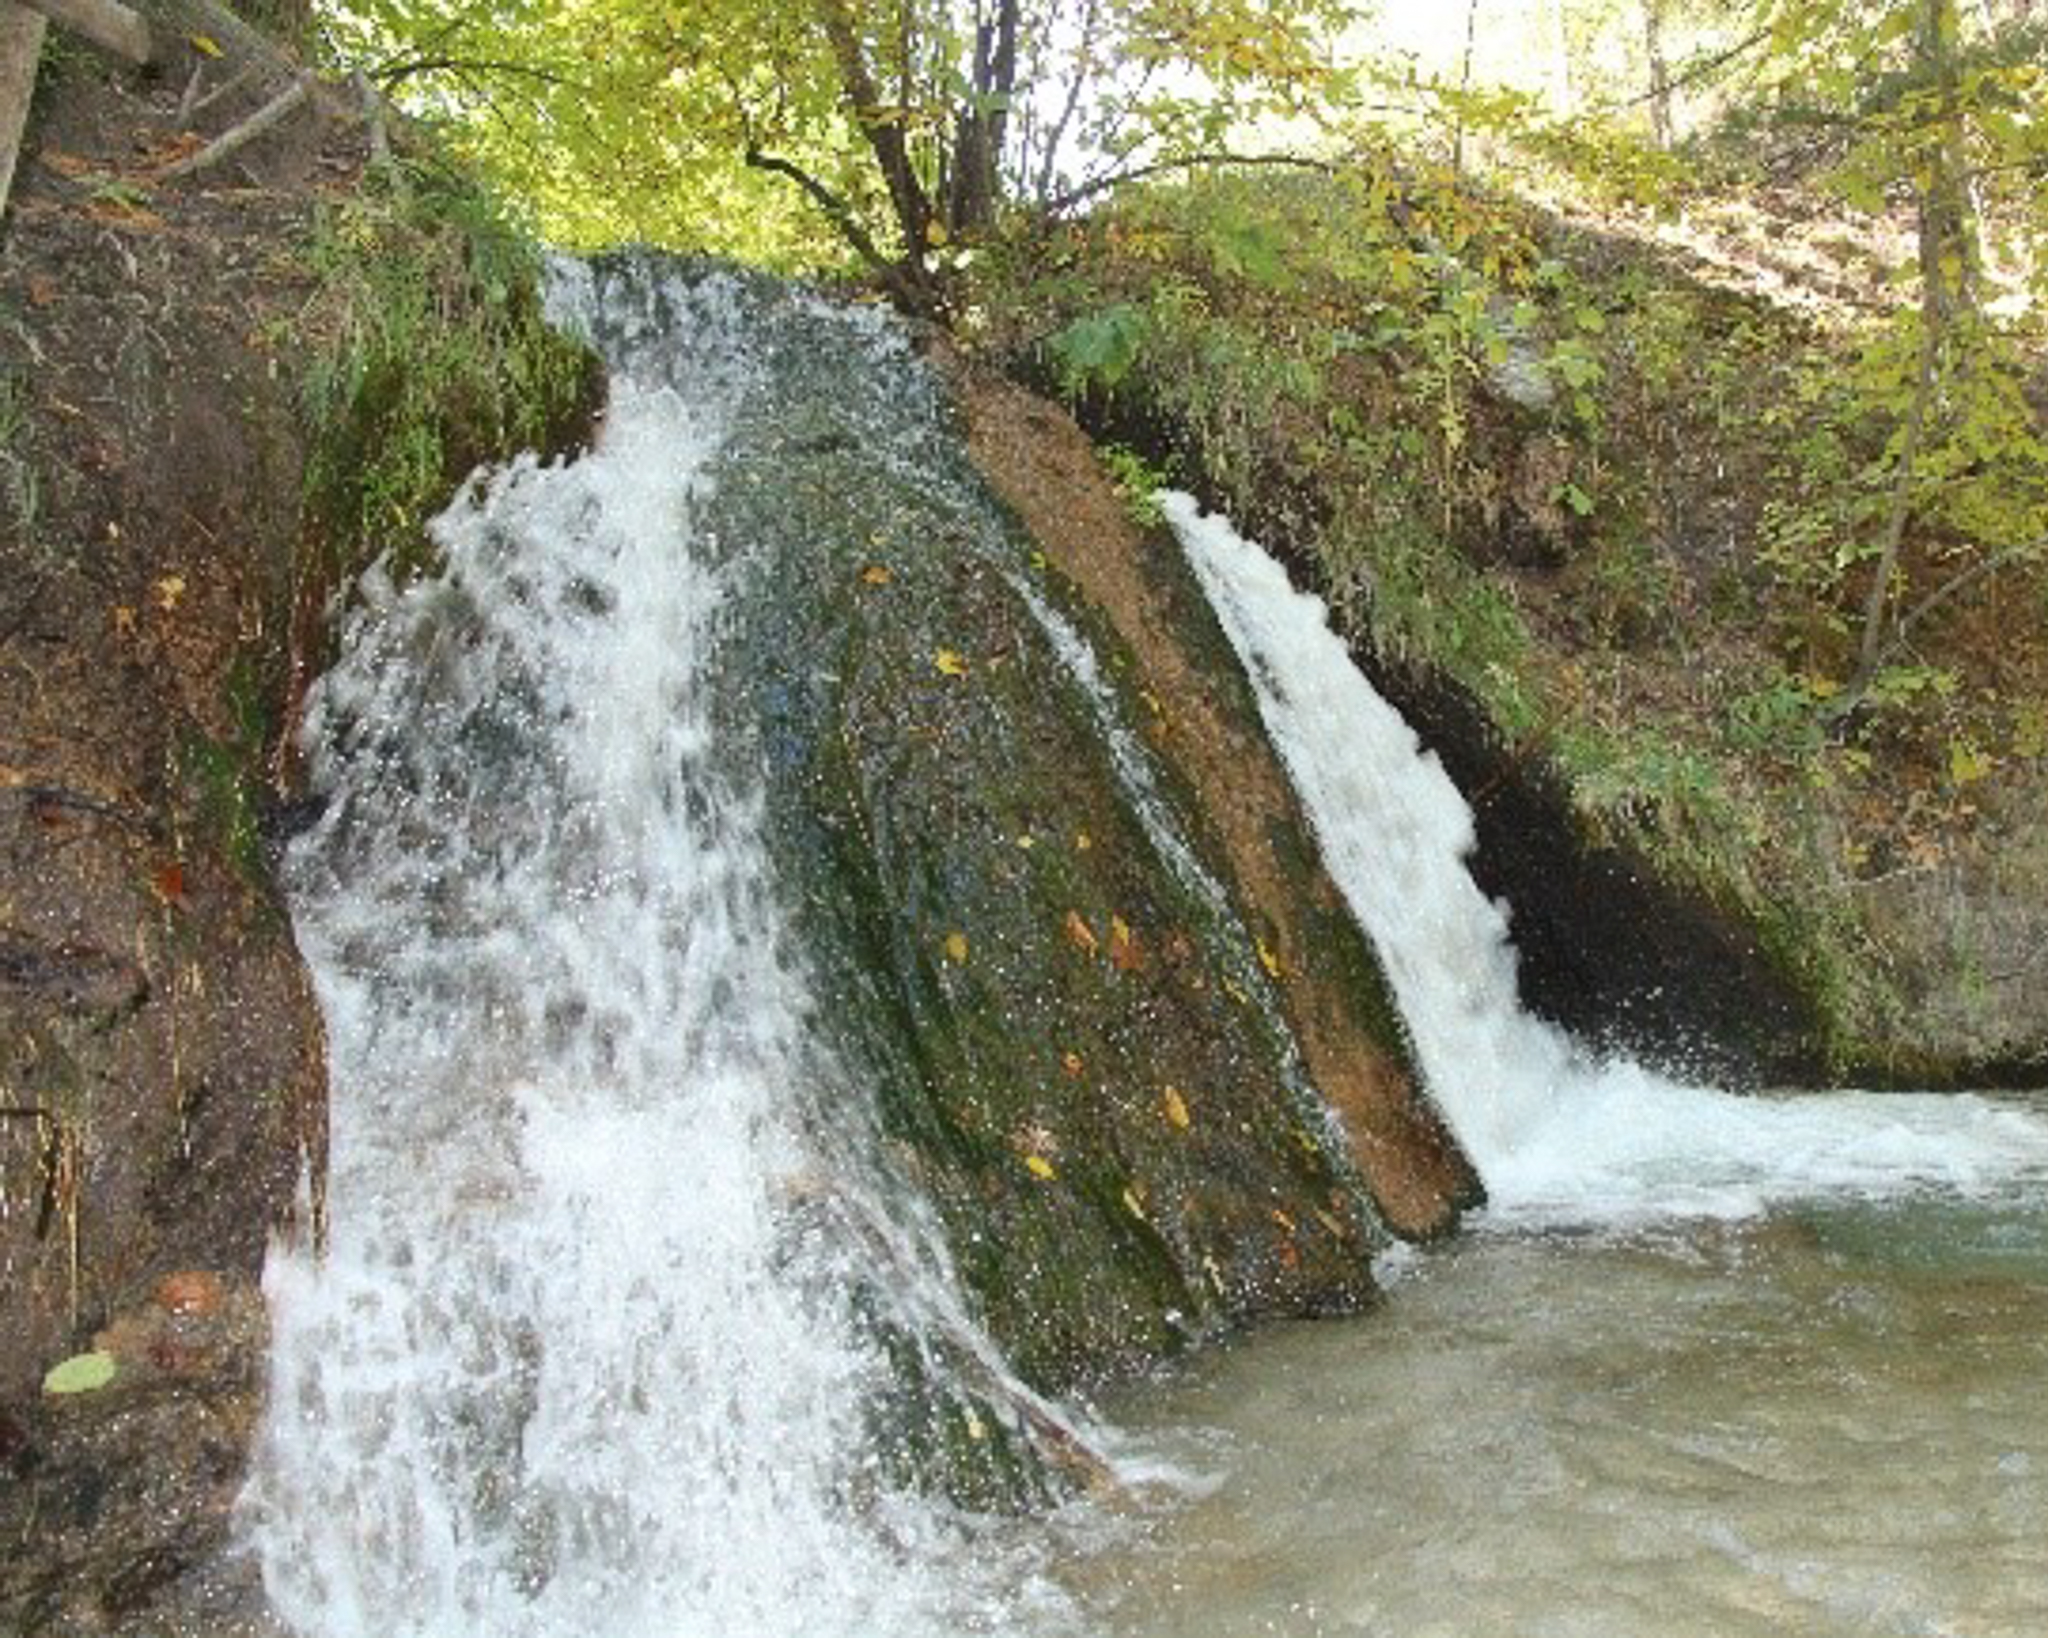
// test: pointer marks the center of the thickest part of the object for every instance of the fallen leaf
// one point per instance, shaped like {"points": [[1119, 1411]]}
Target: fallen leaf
{"points": [[1176, 1107], [81, 1373], [168, 590], [1286, 1223], [1268, 959], [1027, 842], [949, 664], [1123, 946], [124, 620], [956, 949], [189, 1291], [1082, 843], [1080, 934], [169, 885], [1041, 1168], [1071, 1062], [205, 44], [875, 575], [1134, 1201], [42, 290]]}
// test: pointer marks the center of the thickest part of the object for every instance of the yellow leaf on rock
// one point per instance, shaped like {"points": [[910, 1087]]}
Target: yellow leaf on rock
{"points": [[956, 949], [875, 574], [1041, 1168], [1079, 933], [1123, 946], [1268, 959], [168, 590], [1176, 1107], [205, 44], [949, 664], [1134, 1202]]}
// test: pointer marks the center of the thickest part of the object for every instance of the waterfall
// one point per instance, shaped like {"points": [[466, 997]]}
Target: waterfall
{"points": [[1556, 1133], [582, 1353]]}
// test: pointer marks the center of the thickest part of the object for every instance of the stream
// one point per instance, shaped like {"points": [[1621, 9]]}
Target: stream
{"points": [[619, 1266], [1823, 1421]]}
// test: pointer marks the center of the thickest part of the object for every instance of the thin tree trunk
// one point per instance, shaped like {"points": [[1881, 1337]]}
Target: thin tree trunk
{"points": [[1870, 652], [1949, 254], [1948, 259], [1660, 72], [884, 134], [981, 127], [1464, 87]]}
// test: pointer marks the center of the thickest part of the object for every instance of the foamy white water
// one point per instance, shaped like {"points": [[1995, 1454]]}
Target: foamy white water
{"points": [[580, 1356], [1555, 1132]]}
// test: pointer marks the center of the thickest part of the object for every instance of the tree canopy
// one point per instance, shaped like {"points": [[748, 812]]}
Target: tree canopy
{"points": [[891, 128]]}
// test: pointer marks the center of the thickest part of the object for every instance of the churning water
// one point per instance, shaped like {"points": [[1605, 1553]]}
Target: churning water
{"points": [[1822, 1423]]}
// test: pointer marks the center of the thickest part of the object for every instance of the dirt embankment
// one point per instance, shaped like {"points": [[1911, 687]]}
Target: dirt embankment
{"points": [[161, 1060]]}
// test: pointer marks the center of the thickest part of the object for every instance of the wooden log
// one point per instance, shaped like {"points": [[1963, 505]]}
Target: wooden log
{"points": [[21, 47], [107, 23], [232, 141]]}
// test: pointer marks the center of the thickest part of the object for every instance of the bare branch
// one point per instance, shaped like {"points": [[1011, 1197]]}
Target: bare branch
{"points": [[236, 138], [1101, 184], [902, 285]]}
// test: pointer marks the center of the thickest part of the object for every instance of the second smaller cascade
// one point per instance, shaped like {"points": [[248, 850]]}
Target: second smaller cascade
{"points": [[1556, 1133]]}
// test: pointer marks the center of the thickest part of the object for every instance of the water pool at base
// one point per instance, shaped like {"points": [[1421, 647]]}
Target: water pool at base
{"points": [[1832, 1420]]}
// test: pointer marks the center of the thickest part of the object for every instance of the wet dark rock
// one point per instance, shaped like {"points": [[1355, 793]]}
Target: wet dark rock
{"points": [[74, 978], [117, 1503], [1025, 931]]}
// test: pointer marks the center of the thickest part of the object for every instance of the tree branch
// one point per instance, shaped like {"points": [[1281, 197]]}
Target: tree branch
{"points": [[1084, 65], [1101, 184], [233, 140], [391, 74], [902, 286], [1955, 586]]}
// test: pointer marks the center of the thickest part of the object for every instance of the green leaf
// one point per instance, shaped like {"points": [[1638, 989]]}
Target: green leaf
{"points": [[81, 1373]]}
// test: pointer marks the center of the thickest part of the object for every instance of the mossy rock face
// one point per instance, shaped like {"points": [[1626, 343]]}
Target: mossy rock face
{"points": [[1019, 934]]}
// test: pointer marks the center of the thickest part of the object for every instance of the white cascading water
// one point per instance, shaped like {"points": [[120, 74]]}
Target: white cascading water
{"points": [[1556, 1134], [577, 1358]]}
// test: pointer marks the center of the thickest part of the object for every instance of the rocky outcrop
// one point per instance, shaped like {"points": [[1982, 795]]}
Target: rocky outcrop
{"points": [[1067, 916]]}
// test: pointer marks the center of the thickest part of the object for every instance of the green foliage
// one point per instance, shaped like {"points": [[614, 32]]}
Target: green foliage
{"points": [[1097, 350], [1137, 480], [428, 355], [781, 129]]}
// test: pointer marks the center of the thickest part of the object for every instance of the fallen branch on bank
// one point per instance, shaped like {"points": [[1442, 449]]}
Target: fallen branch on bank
{"points": [[237, 137]]}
